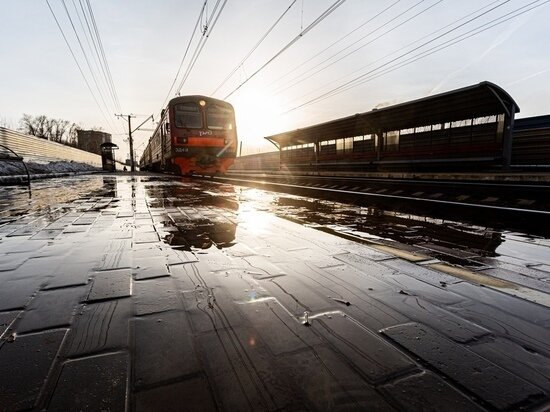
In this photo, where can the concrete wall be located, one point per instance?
(35, 149)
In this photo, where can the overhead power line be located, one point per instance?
(336, 42)
(209, 27)
(371, 75)
(255, 47)
(407, 20)
(324, 15)
(78, 64)
(85, 55)
(186, 51)
(96, 63)
(102, 49)
(502, 3)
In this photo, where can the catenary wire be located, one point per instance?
(334, 43)
(407, 45)
(91, 46)
(103, 56)
(409, 19)
(185, 54)
(210, 24)
(100, 92)
(464, 36)
(254, 48)
(325, 14)
(77, 63)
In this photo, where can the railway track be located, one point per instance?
(524, 206)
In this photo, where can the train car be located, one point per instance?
(196, 134)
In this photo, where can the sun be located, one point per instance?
(257, 115)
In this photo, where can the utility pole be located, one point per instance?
(130, 139)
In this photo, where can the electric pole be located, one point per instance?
(130, 139)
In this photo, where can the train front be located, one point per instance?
(203, 135)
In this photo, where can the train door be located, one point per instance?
(162, 154)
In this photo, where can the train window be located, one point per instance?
(219, 117)
(188, 115)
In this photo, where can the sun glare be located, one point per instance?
(257, 116)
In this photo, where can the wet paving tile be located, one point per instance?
(149, 268)
(377, 360)
(16, 294)
(12, 261)
(156, 296)
(273, 322)
(110, 285)
(194, 393)
(105, 388)
(31, 356)
(440, 397)
(480, 376)
(47, 234)
(6, 319)
(146, 237)
(158, 359)
(99, 327)
(50, 309)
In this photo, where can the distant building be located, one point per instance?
(90, 140)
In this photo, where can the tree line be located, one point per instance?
(56, 130)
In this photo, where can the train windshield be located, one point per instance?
(188, 115)
(219, 117)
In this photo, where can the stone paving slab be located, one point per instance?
(26, 362)
(110, 284)
(105, 387)
(441, 397)
(164, 349)
(99, 327)
(491, 383)
(180, 295)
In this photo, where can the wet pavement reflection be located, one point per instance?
(148, 292)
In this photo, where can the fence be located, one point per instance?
(35, 149)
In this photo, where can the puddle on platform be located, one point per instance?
(449, 240)
(192, 214)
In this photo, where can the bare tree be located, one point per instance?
(56, 130)
(72, 135)
(6, 122)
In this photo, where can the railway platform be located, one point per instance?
(151, 293)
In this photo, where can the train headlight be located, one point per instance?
(225, 141)
(202, 103)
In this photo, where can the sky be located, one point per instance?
(323, 59)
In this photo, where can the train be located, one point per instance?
(196, 135)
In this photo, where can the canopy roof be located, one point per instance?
(108, 145)
(483, 99)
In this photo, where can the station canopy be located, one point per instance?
(480, 100)
(108, 146)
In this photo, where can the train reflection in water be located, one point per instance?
(196, 218)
